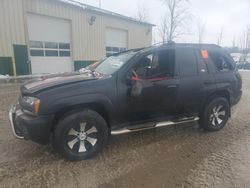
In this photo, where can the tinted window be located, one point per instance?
(167, 62)
(186, 59)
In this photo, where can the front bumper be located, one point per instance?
(25, 126)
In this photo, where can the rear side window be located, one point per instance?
(186, 59)
(220, 61)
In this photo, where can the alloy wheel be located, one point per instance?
(82, 139)
(218, 115)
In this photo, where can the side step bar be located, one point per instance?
(159, 124)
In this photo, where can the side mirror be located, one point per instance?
(129, 79)
(136, 89)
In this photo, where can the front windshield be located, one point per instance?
(113, 63)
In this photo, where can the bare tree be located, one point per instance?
(163, 29)
(142, 13)
(245, 39)
(201, 26)
(173, 22)
(233, 43)
(220, 37)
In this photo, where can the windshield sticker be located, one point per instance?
(204, 54)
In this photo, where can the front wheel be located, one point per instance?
(215, 115)
(81, 135)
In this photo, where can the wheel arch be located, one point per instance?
(94, 106)
(220, 93)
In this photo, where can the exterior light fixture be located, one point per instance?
(92, 20)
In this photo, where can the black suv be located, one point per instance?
(130, 91)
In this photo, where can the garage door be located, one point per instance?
(116, 41)
(49, 44)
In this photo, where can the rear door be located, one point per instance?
(196, 81)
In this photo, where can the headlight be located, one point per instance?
(33, 102)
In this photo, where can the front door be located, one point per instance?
(21, 59)
(152, 94)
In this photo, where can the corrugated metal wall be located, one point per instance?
(11, 26)
(88, 41)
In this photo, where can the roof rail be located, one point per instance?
(161, 43)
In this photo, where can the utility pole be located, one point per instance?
(100, 3)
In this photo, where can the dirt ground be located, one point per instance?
(175, 156)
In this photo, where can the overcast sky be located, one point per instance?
(233, 16)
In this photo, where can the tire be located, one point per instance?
(81, 135)
(215, 114)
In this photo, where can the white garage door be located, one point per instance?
(116, 40)
(49, 44)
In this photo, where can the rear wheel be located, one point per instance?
(215, 115)
(81, 135)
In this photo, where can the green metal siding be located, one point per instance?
(6, 66)
(82, 64)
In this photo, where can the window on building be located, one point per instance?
(49, 49)
(37, 52)
(51, 45)
(64, 46)
(220, 61)
(186, 59)
(64, 53)
(36, 44)
(156, 65)
(113, 50)
(51, 53)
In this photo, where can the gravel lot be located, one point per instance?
(175, 156)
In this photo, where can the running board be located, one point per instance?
(159, 124)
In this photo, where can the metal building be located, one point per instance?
(45, 36)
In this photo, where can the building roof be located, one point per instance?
(103, 11)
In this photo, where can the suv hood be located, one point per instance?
(56, 80)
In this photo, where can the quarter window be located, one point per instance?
(220, 62)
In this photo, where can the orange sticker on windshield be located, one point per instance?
(204, 54)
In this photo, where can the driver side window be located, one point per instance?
(156, 65)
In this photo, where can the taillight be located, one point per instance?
(239, 79)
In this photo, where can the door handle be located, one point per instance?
(172, 86)
(208, 82)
